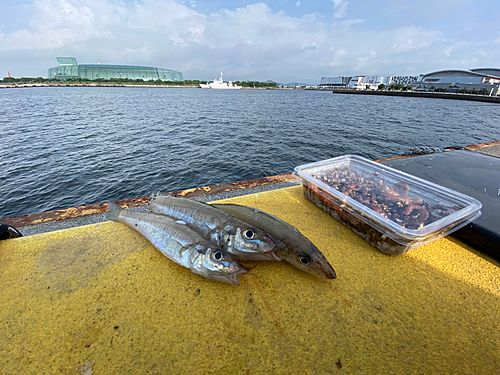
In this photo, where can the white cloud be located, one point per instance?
(169, 19)
(362, 62)
(297, 4)
(347, 23)
(257, 25)
(340, 8)
(340, 52)
(412, 37)
(482, 53)
(253, 40)
(62, 22)
(427, 9)
(56, 24)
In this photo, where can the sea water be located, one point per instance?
(62, 147)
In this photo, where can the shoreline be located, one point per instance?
(409, 94)
(30, 85)
(422, 94)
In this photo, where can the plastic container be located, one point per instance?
(392, 210)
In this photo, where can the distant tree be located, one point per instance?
(381, 86)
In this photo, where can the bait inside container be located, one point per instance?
(392, 210)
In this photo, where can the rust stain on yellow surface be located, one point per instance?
(101, 298)
(259, 289)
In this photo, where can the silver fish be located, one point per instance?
(244, 241)
(299, 251)
(181, 244)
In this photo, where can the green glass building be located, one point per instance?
(68, 68)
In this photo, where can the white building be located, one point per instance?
(485, 81)
(405, 80)
(334, 82)
(358, 83)
(368, 82)
(380, 80)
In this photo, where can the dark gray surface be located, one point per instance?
(472, 173)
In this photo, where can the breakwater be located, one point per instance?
(422, 94)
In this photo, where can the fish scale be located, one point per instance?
(181, 244)
(298, 251)
(244, 241)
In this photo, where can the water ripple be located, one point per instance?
(64, 147)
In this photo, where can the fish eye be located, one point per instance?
(305, 259)
(249, 234)
(218, 255)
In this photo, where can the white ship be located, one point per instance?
(220, 84)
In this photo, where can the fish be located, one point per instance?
(244, 241)
(299, 250)
(179, 243)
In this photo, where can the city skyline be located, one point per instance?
(279, 40)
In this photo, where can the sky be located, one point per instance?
(279, 40)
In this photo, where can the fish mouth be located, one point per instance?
(326, 271)
(329, 271)
(235, 277)
(276, 256)
(331, 274)
(279, 245)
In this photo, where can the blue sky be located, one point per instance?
(280, 40)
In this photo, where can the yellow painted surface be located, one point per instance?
(100, 299)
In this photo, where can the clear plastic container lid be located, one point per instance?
(404, 207)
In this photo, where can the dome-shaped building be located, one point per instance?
(487, 79)
(68, 68)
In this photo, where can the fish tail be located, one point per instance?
(113, 211)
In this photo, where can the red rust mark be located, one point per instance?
(44, 217)
(482, 145)
(221, 188)
(394, 158)
(98, 208)
(269, 309)
(194, 191)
